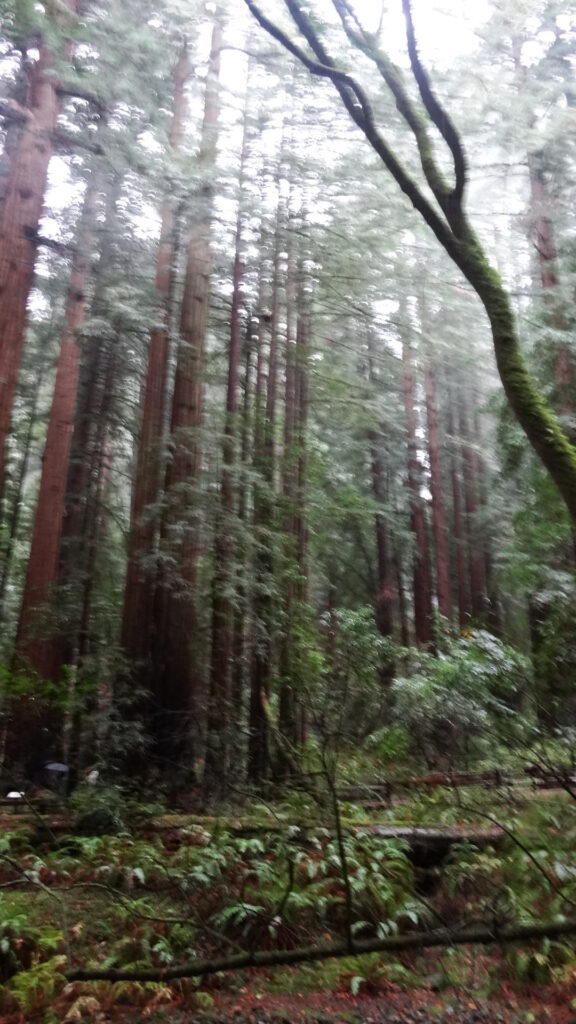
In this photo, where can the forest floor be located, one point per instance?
(170, 887)
(541, 1005)
(254, 1002)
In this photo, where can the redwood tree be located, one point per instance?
(422, 583)
(139, 593)
(20, 215)
(174, 676)
(441, 549)
(42, 569)
(223, 584)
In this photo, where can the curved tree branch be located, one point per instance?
(460, 242)
(435, 109)
(360, 112)
(392, 76)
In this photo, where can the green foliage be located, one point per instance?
(554, 655)
(540, 964)
(307, 662)
(38, 985)
(471, 692)
(354, 702)
(391, 745)
(371, 974)
(19, 19)
(25, 945)
(98, 810)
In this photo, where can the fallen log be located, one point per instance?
(480, 935)
(380, 792)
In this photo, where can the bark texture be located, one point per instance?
(23, 198)
(174, 678)
(422, 592)
(32, 648)
(441, 548)
(226, 544)
(140, 578)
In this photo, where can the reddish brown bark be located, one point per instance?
(85, 467)
(543, 230)
(544, 241)
(19, 219)
(463, 583)
(216, 765)
(240, 656)
(492, 601)
(264, 511)
(15, 505)
(383, 602)
(36, 729)
(139, 593)
(294, 584)
(174, 678)
(441, 549)
(42, 571)
(384, 591)
(18, 101)
(476, 557)
(423, 622)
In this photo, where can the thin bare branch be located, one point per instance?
(361, 113)
(393, 78)
(435, 109)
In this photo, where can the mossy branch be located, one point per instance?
(358, 106)
(436, 111)
(457, 238)
(393, 78)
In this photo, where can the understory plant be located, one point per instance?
(473, 691)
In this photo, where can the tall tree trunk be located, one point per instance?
(476, 555)
(423, 623)
(264, 514)
(225, 541)
(174, 677)
(139, 592)
(383, 603)
(492, 597)
(543, 231)
(19, 95)
(402, 602)
(463, 582)
(291, 713)
(294, 484)
(84, 466)
(42, 570)
(383, 597)
(13, 518)
(241, 647)
(19, 219)
(441, 549)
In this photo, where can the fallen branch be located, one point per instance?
(480, 935)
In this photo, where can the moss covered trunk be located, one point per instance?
(530, 408)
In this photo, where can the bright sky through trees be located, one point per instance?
(446, 30)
